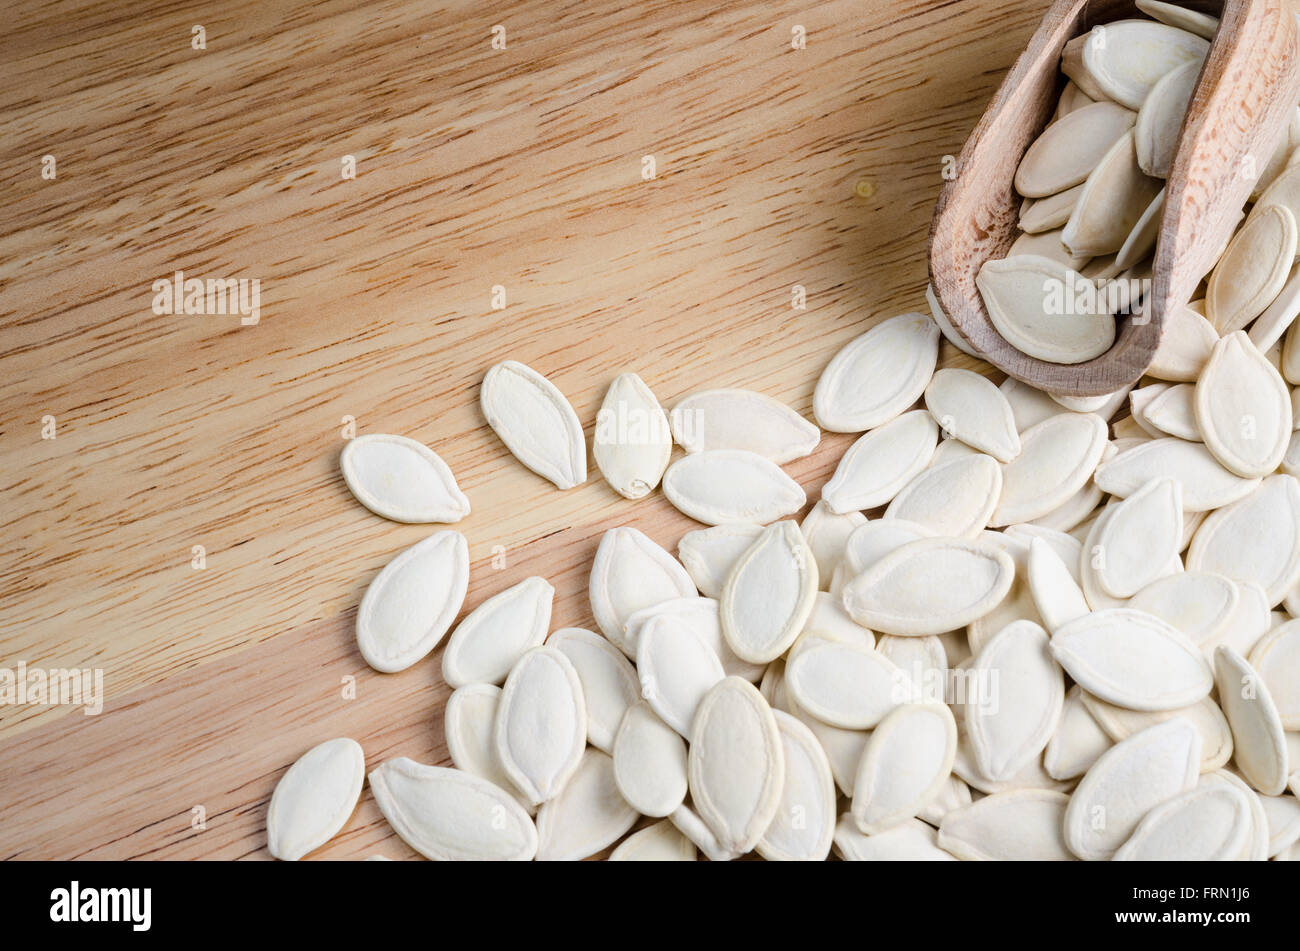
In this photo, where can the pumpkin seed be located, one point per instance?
(541, 726)
(492, 637)
(1020, 825)
(632, 443)
(660, 842)
(1206, 484)
(1276, 658)
(826, 534)
(708, 554)
(743, 419)
(1204, 715)
(314, 798)
(609, 682)
(1132, 659)
(970, 408)
(1243, 408)
(736, 764)
(1252, 270)
(676, 669)
(804, 823)
(1259, 739)
(955, 498)
(769, 594)
(1078, 739)
(1128, 781)
(536, 422)
(880, 463)
(1141, 535)
(1254, 539)
(630, 572)
(447, 815)
(649, 762)
(878, 375)
(1057, 458)
(906, 762)
(1068, 149)
(731, 485)
(845, 685)
(930, 586)
(1205, 824)
(402, 480)
(1044, 309)
(1126, 57)
(587, 815)
(1112, 202)
(1160, 118)
(411, 603)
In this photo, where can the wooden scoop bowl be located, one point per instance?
(1248, 88)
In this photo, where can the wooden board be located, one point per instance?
(475, 168)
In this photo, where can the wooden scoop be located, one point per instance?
(1247, 91)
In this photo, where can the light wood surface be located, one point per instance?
(475, 167)
(1244, 97)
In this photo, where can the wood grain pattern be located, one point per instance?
(519, 167)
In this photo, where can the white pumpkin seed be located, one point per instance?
(1206, 484)
(1141, 240)
(609, 682)
(1077, 742)
(536, 423)
(1160, 118)
(1197, 603)
(1252, 270)
(1243, 408)
(1186, 342)
(701, 615)
(1126, 57)
(1056, 594)
(1007, 735)
(1269, 327)
(1113, 200)
(660, 842)
(314, 798)
(1020, 825)
(709, 554)
(953, 794)
(587, 815)
(878, 375)
(970, 408)
(743, 419)
(632, 443)
(1205, 824)
(1068, 149)
(1204, 715)
(1140, 536)
(1276, 658)
(541, 727)
(447, 815)
(492, 637)
(1133, 659)
(1172, 412)
(769, 594)
(912, 841)
(736, 764)
(907, 760)
(1044, 309)
(955, 498)
(630, 572)
(1047, 214)
(676, 668)
(731, 485)
(1259, 740)
(1283, 813)
(1254, 539)
(844, 685)
(402, 480)
(930, 586)
(1128, 781)
(804, 822)
(880, 463)
(1057, 458)
(1256, 850)
(826, 534)
(649, 762)
(870, 542)
(469, 726)
(1190, 20)
(689, 824)
(411, 603)
(1047, 244)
